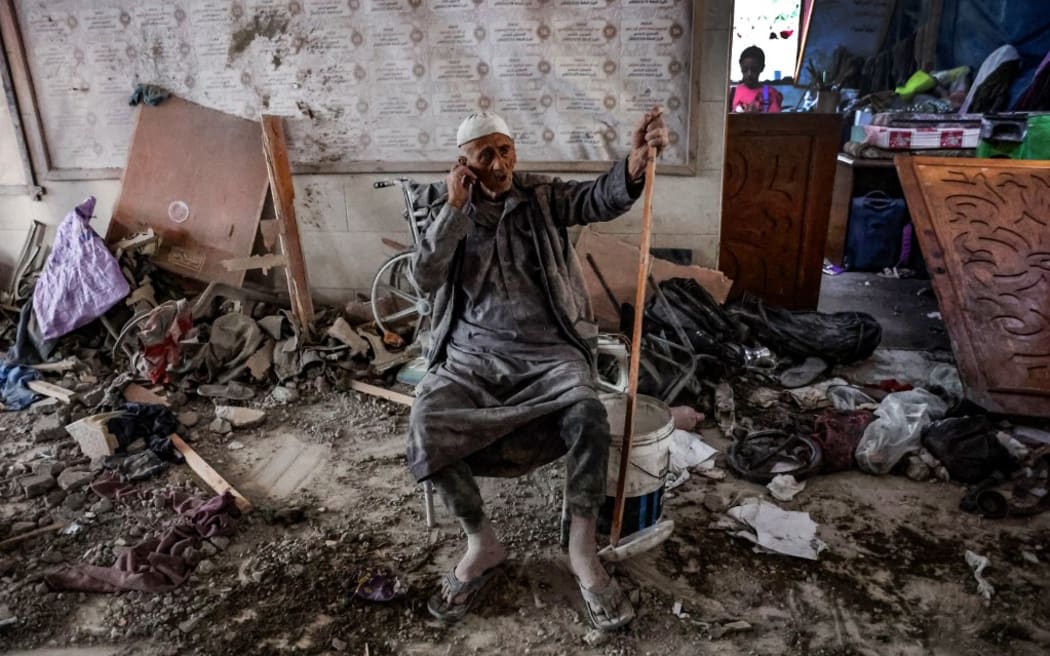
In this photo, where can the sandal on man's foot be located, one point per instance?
(608, 608)
(442, 604)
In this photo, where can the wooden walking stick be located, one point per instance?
(636, 347)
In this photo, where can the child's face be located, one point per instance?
(750, 69)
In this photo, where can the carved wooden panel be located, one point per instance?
(984, 226)
(776, 196)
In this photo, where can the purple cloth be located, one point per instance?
(157, 564)
(81, 279)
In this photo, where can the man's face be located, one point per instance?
(492, 159)
(750, 69)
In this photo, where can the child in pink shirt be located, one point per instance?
(751, 96)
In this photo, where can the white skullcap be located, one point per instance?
(480, 125)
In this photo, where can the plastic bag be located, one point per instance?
(944, 380)
(897, 429)
(81, 279)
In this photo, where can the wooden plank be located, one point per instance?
(25, 92)
(283, 191)
(208, 474)
(18, 539)
(645, 244)
(66, 364)
(382, 392)
(210, 161)
(264, 262)
(50, 389)
(838, 218)
(984, 229)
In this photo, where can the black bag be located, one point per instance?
(836, 338)
(968, 448)
(873, 236)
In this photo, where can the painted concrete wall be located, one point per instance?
(343, 220)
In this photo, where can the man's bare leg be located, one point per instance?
(583, 553)
(484, 551)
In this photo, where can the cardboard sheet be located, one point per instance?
(618, 262)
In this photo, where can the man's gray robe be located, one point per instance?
(494, 371)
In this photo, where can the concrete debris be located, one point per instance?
(715, 503)
(283, 395)
(92, 436)
(240, 417)
(339, 645)
(71, 480)
(343, 332)
(220, 426)
(49, 428)
(594, 637)
(36, 485)
(48, 468)
(189, 418)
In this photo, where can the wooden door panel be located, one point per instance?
(775, 201)
(985, 227)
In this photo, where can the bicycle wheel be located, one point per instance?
(398, 305)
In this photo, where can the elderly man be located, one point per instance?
(511, 358)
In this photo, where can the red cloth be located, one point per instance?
(838, 433)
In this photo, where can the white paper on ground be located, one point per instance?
(780, 531)
(784, 487)
(977, 563)
(688, 450)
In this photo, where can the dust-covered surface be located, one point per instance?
(893, 580)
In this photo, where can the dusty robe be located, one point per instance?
(513, 334)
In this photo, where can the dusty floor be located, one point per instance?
(893, 581)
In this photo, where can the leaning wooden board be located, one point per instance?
(210, 161)
(984, 228)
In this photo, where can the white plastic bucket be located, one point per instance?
(650, 461)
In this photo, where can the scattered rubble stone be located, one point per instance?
(240, 417)
(220, 425)
(52, 557)
(206, 567)
(189, 418)
(18, 528)
(36, 485)
(594, 637)
(221, 542)
(74, 479)
(283, 395)
(74, 501)
(103, 505)
(49, 468)
(338, 645)
(49, 428)
(55, 498)
(715, 502)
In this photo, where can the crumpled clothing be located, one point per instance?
(156, 564)
(112, 485)
(81, 279)
(153, 423)
(150, 94)
(233, 339)
(30, 346)
(838, 434)
(13, 391)
(159, 335)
